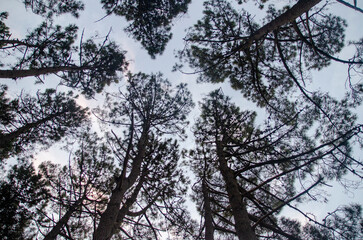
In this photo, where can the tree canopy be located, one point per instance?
(49, 49)
(43, 119)
(266, 63)
(150, 21)
(149, 109)
(265, 139)
(247, 174)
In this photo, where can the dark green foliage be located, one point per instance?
(44, 119)
(267, 69)
(151, 20)
(151, 102)
(46, 45)
(344, 223)
(22, 194)
(48, 8)
(99, 67)
(4, 30)
(50, 49)
(6, 107)
(290, 226)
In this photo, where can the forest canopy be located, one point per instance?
(115, 125)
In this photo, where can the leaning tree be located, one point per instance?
(28, 121)
(270, 63)
(77, 191)
(51, 49)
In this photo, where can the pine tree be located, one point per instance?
(267, 63)
(28, 121)
(149, 108)
(50, 49)
(248, 174)
(22, 196)
(77, 191)
(150, 22)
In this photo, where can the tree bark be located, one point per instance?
(63, 221)
(14, 74)
(241, 220)
(295, 11)
(9, 137)
(209, 227)
(108, 219)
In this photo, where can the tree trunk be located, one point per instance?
(129, 202)
(14, 74)
(294, 12)
(108, 219)
(7, 138)
(109, 216)
(209, 227)
(239, 212)
(63, 221)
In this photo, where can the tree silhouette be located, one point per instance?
(22, 194)
(247, 174)
(77, 191)
(150, 21)
(44, 119)
(50, 50)
(269, 63)
(150, 108)
(48, 8)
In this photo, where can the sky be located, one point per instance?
(331, 79)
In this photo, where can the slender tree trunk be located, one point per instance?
(209, 227)
(239, 211)
(63, 221)
(5, 139)
(14, 74)
(108, 219)
(294, 12)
